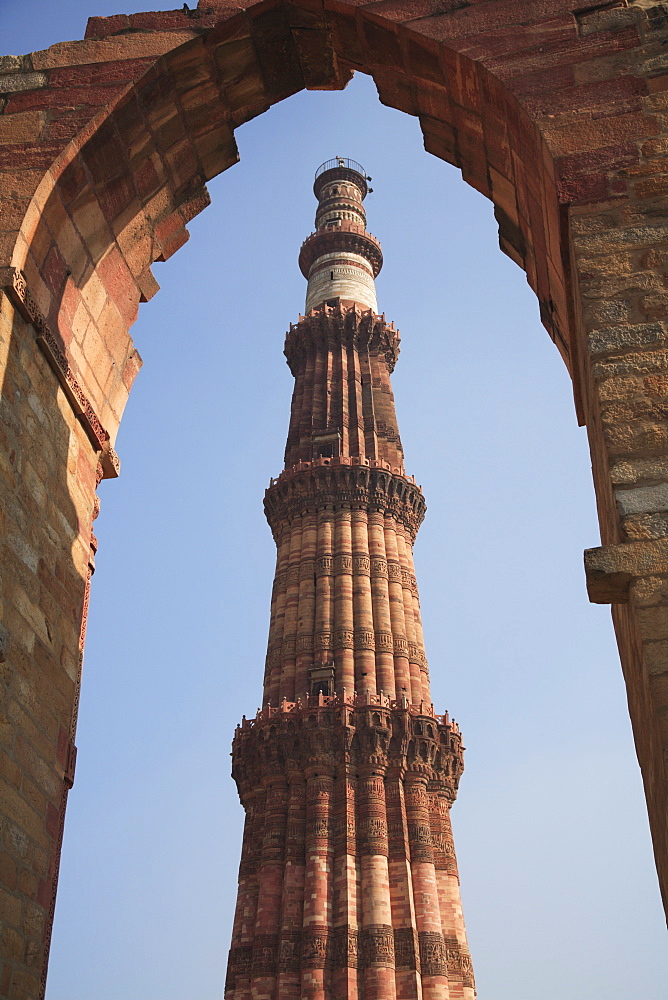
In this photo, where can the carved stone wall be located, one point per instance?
(558, 116)
(377, 778)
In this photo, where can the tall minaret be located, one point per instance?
(348, 885)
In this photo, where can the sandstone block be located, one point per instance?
(610, 569)
(638, 526)
(631, 471)
(618, 338)
(14, 82)
(10, 64)
(645, 500)
(654, 623)
(132, 46)
(607, 313)
(608, 19)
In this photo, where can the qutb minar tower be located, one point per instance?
(348, 885)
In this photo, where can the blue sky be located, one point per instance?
(558, 882)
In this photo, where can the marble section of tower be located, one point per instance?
(348, 884)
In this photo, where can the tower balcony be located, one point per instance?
(341, 169)
(344, 237)
(351, 699)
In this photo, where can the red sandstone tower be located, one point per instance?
(348, 886)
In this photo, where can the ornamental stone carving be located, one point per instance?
(314, 485)
(335, 731)
(329, 327)
(377, 945)
(433, 961)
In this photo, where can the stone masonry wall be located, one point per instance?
(556, 112)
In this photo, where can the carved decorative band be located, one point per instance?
(238, 964)
(322, 640)
(379, 568)
(419, 835)
(305, 644)
(289, 952)
(264, 961)
(344, 639)
(394, 572)
(344, 485)
(362, 565)
(405, 948)
(274, 656)
(288, 648)
(416, 654)
(347, 947)
(467, 970)
(444, 853)
(24, 301)
(432, 954)
(343, 565)
(458, 962)
(317, 830)
(365, 639)
(324, 565)
(315, 948)
(344, 947)
(384, 642)
(373, 834)
(377, 945)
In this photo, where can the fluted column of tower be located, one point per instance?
(348, 884)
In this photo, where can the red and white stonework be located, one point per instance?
(348, 884)
(558, 113)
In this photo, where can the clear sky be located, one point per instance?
(558, 881)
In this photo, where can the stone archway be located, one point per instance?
(107, 144)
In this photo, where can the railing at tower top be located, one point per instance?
(353, 700)
(340, 163)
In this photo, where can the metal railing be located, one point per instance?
(340, 162)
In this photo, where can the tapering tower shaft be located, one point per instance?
(348, 886)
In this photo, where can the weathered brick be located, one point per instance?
(591, 135)
(21, 128)
(132, 46)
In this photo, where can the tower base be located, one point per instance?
(348, 884)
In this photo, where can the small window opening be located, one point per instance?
(321, 677)
(326, 444)
(331, 276)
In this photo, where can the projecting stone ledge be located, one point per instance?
(610, 569)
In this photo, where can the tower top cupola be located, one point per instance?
(340, 259)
